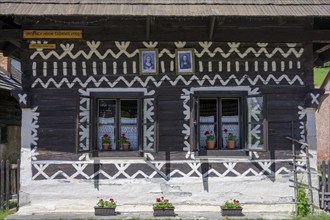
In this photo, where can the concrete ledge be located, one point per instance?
(145, 212)
(144, 215)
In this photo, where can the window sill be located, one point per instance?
(116, 154)
(222, 153)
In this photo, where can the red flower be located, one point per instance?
(101, 200)
(206, 133)
(105, 135)
(158, 200)
(225, 130)
(111, 199)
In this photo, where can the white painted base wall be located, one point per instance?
(255, 194)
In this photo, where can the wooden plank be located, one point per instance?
(7, 183)
(212, 25)
(2, 184)
(10, 34)
(51, 34)
(18, 180)
(148, 24)
(323, 168)
(327, 174)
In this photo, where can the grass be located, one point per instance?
(4, 213)
(316, 216)
(319, 75)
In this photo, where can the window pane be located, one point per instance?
(211, 128)
(207, 119)
(208, 110)
(128, 121)
(230, 120)
(106, 122)
(128, 111)
(230, 107)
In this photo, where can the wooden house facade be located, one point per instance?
(168, 77)
(10, 111)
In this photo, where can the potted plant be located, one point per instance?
(210, 140)
(233, 208)
(124, 143)
(105, 142)
(105, 208)
(163, 207)
(231, 141)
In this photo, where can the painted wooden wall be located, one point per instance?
(109, 58)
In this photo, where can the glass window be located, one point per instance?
(219, 121)
(3, 135)
(117, 124)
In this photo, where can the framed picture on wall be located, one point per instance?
(185, 61)
(148, 61)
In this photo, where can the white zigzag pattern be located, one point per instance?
(151, 79)
(234, 49)
(122, 46)
(35, 126)
(122, 167)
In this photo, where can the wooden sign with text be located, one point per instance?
(52, 34)
(42, 46)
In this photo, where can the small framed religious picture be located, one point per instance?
(185, 61)
(148, 61)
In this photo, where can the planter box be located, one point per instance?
(99, 211)
(164, 212)
(231, 212)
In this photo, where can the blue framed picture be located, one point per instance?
(148, 61)
(185, 62)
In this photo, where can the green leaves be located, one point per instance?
(107, 204)
(162, 203)
(232, 205)
(303, 202)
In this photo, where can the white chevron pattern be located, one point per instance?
(265, 169)
(179, 79)
(122, 46)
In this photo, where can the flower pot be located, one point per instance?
(231, 212)
(231, 144)
(126, 146)
(101, 211)
(210, 145)
(164, 212)
(105, 146)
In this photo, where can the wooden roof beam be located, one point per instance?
(10, 34)
(9, 49)
(211, 28)
(322, 49)
(148, 25)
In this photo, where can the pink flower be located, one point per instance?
(101, 200)
(206, 133)
(158, 200)
(111, 199)
(225, 130)
(105, 136)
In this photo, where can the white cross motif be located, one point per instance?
(314, 98)
(22, 98)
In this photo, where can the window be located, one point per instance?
(224, 115)
(220, 117)
(3, 135)
(117, 118)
